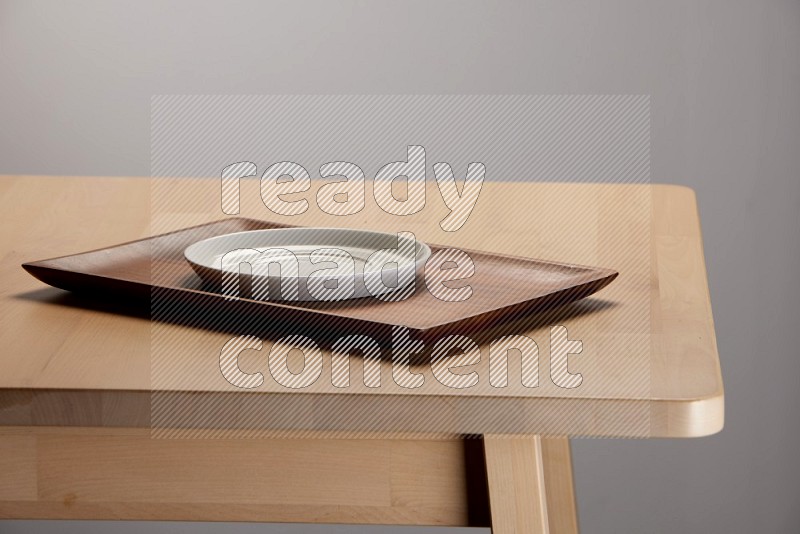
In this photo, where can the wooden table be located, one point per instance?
(76, 384)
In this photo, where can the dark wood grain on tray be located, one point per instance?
(504, 287)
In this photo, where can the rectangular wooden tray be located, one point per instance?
(504, 287)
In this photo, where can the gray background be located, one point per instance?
(75, 86)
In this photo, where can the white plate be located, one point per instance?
(382, 263)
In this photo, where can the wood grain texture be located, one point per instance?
(517, 489)
(503, 286)
(530, 485)
(562, 508)
(72, 361)
(80, 473)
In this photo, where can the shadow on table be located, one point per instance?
(245, 321)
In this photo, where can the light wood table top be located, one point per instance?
(649, 363)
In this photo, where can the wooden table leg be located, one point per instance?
(530, 485)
